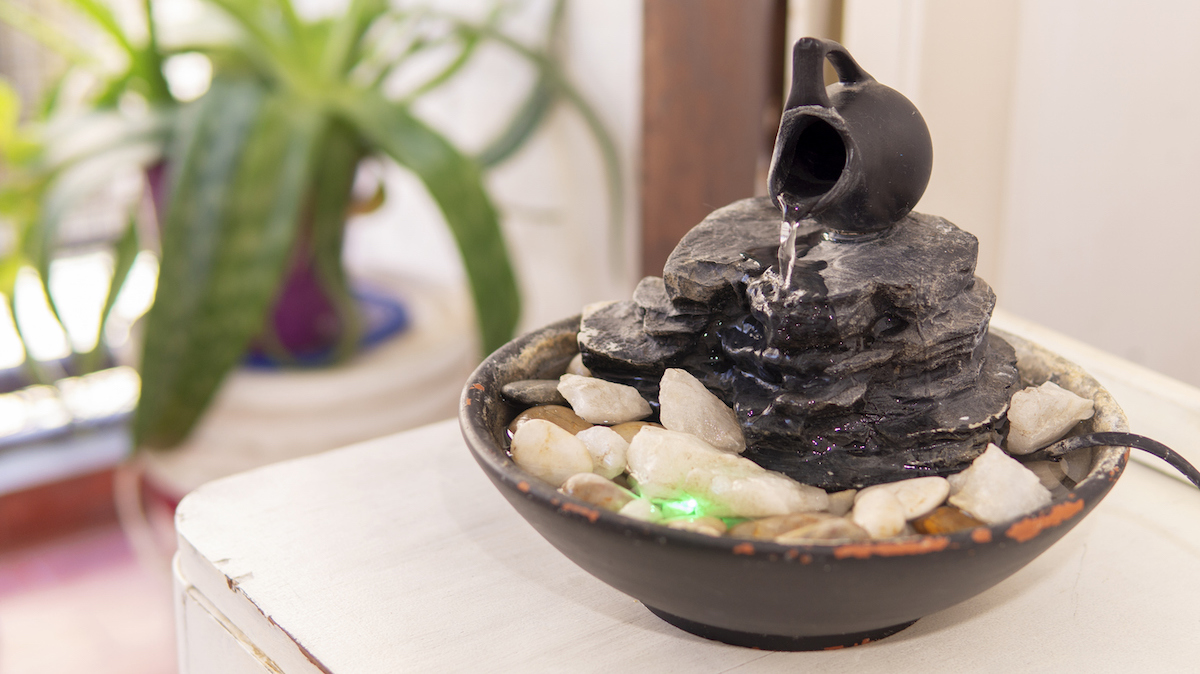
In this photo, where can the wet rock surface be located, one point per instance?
(871, 363)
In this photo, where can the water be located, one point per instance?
(793, 215)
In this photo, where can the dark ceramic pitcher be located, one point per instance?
(856, 155)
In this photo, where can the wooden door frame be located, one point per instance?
(712, 91)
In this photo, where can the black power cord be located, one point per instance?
(1112, 439)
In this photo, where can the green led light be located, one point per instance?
(684, 507)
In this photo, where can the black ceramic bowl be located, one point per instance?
(763, 594)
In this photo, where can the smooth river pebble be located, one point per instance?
(829, 529)
(603, 402)
(768, 528)
(608, 450)
(685, 405)
(598, 491)
(563, 417)
(919, 495)
(1038, 416)
(709, 526)
(997, 487)
(667, 464)
(549, 452)
(945, 520)
(630, 428)
(879, 512)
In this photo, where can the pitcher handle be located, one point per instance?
(808, 63)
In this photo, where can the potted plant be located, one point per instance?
(251, 182)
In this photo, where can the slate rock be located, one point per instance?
(739, 239)
(533, 392)
(612, 338)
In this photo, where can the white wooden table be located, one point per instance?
(398, 555)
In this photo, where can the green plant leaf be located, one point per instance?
(527, 120)
(346, 37)
(10, 116)
(470, 42)
(331, 192)
(103, 18)
(549, 71)
(455, 183)
(240, 174)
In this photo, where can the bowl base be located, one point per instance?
(779, 642)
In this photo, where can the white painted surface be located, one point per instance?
(1064, 138)
(399, 555)
(1100, 238)
(207, 643)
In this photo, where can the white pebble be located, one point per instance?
(598, 491)
(685, 405)
(956, 482)
(641, 509)
(1038, 416)
(997, 488)
(576, 366)
(879, 512)
(603, 402)
(667, 465)
(1078, 464)
(919, 495)
(608, 450)
(841, 502)
(1050, 473)
(1074, 467)
(709, 526)
(549, 452)
(832, 529)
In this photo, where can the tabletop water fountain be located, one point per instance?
(849, 334)
(847, 339)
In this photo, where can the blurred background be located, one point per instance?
(1063, 139)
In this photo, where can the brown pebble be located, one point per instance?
(597, 491)
(630, 428)
(945, 520)
(768, 528)
(831, 529)
(563, 417)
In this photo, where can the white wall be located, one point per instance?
(1064, 137)
(552, 195)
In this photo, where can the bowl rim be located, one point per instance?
(1108, 465)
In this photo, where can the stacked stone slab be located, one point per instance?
(874, 365)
